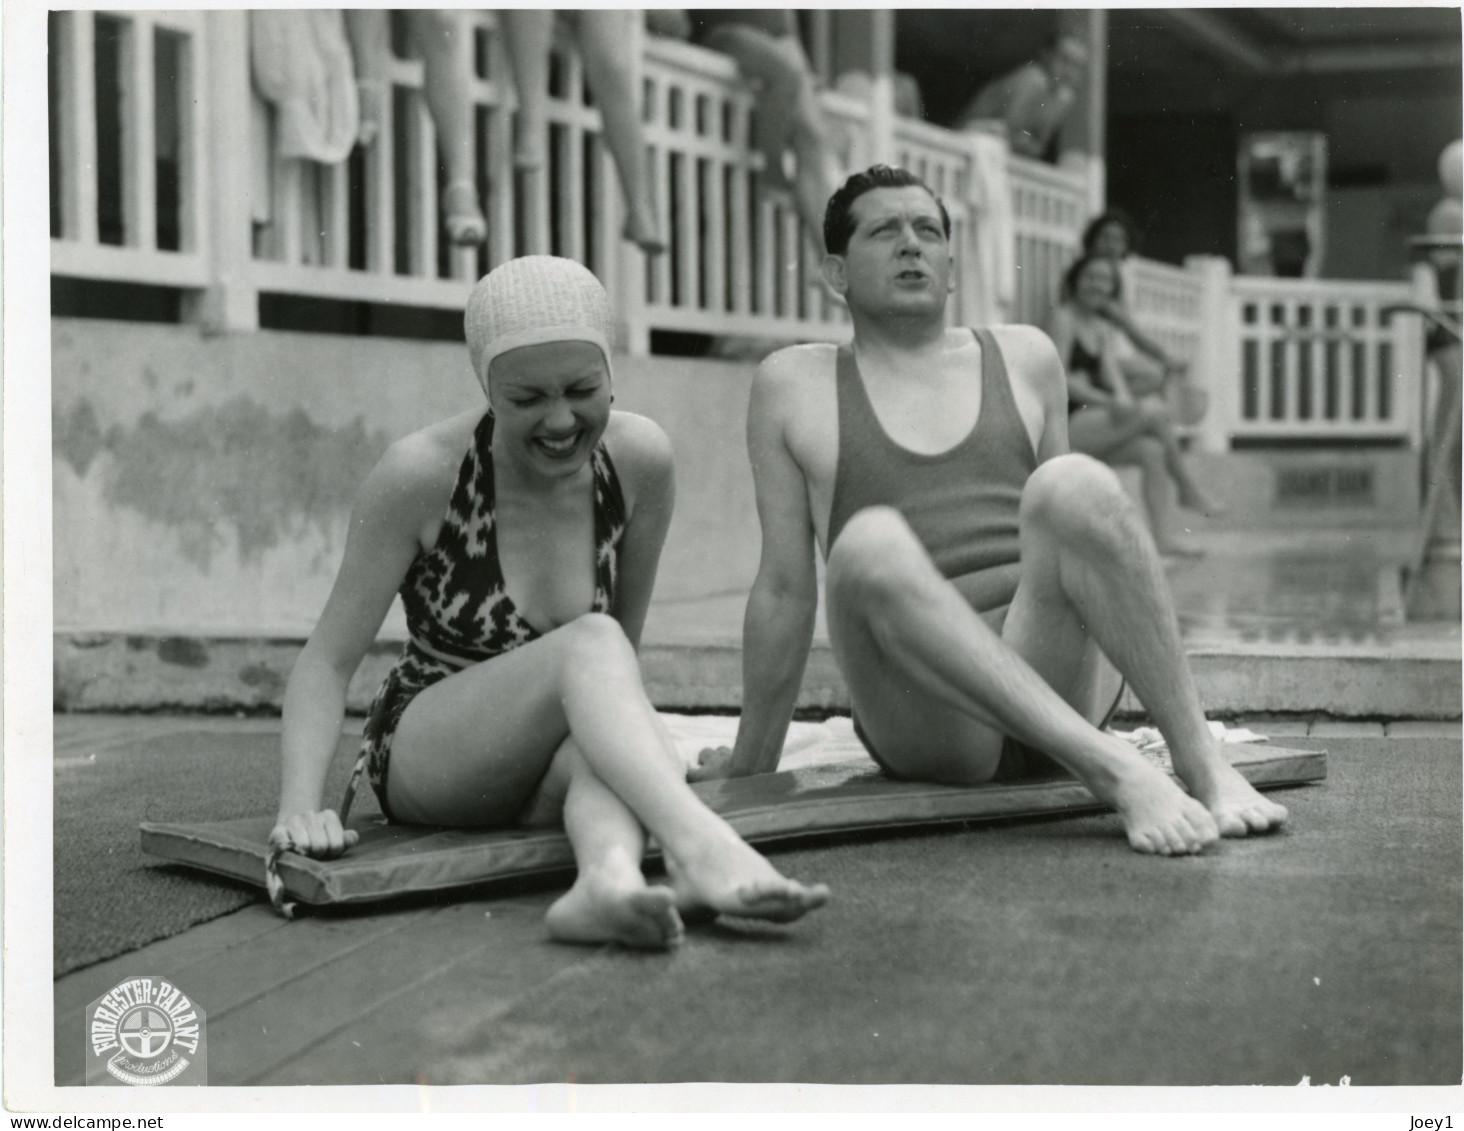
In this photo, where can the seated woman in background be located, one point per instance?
(1147, 365)
(1105, 419)
(523, 538)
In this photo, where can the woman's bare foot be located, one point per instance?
(643, 229)
(462, 217)
(729, 877)
(1238, 807)
(1195, 498)
(603, 908)
(1158, 816)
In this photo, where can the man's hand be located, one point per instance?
(317, 834)
(712, 764)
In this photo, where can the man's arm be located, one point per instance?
(777, 628)
(1036, 111)
(1037, 372)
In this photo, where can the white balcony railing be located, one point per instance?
(158, 141)
(1321, 359)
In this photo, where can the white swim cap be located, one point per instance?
(535, 299)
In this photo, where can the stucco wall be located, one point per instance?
(203, 484)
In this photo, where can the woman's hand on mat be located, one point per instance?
(712, 764)
(317, 834)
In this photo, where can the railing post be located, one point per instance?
(231, 301)
(1413, 361)
(1216, 365)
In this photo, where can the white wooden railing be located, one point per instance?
(1280, 358)
(1286, 359)
(1320, 358)
(1049, 209)
(736, 263)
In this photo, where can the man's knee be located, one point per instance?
(1074, 492)
(874, 557)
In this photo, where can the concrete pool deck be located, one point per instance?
(1021, 953)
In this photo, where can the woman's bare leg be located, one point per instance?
(474, 750)
(610, 900)
(529, 35)
(1147, 453)
(369, 30)
(1192, 494)
(444, 39)
(607, 41)
(787, 115)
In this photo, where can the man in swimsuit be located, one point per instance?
(980, 578)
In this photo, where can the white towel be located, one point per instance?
(993, 229)
(302, 64)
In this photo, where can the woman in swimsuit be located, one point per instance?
(1147, 365)
(524, 541)
(1105, 419)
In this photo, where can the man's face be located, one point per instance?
(899, 259)
(1070, 61)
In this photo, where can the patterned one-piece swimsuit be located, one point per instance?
(458, 613)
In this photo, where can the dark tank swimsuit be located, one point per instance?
(458, 612)
(961, 503)
(1083, 360)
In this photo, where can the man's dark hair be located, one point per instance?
(838, 222)
(1070, 276)
(1111, 216)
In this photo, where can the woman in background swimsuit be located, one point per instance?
(1105, 419)
(524, 541)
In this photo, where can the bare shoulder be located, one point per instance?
(790, 378)
(642, 452)
(1031, 358)
(419, 470)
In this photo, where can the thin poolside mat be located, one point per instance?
(813, 799)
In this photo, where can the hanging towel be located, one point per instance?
(302, 64)
(993, 229)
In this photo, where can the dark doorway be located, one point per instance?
(1175, 174)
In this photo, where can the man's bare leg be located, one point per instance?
(1083, 532)
(963, 686)
(936, 688)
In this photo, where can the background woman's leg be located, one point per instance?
(607, 42)
(444, 39)
(529, 34)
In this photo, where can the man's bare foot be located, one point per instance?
(1158, 816)
(600, 909)
(1238, 807)
(730, 878)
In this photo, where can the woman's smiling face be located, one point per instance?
(552, 404)
(1096, 284)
